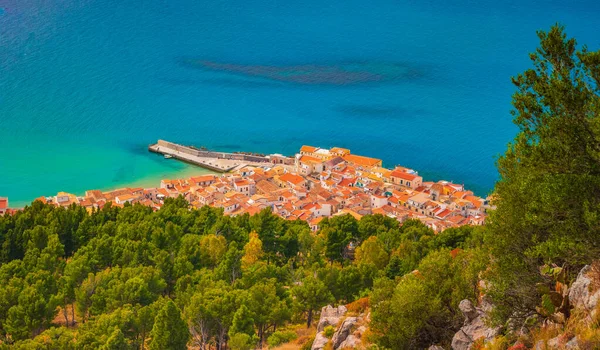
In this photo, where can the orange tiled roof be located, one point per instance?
(204, 178)
(361, 160)
(402, 175)
(292, 178)
(308, 149)
(347, 182)
(340, 150)
(310, 159)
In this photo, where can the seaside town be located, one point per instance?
(314, 184)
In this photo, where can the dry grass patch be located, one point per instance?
(358, 307)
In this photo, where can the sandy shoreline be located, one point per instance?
(144, 182)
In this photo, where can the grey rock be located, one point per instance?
(468, 310)
(474, 327)
(343, 332)
(579, 293)
(553, 343)
(352, 342)
(461, 341)
(319, 342)
(572, 344)
(330, 316)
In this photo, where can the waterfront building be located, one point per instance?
(314, 184)
(3, 205)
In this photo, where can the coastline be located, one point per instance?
(150, 180)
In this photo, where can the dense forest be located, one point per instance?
(132, 278)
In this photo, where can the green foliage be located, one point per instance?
(310, 295)
(242, 322)
(401, 319)
(338, 232)
(170, 331)
(59, 338)
(116, 341)
(328, 331)
(308, 344)
(372, 251)
(241, 341)
(548, 196)
(118, 270)
(280, 337)
(422, 309)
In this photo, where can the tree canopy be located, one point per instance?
(548, 195)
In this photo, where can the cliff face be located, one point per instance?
(577, 332)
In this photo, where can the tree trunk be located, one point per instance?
(73, 314)
(143, 336)
(200, 333)
(309, 318)
(221, 342)
(261, 332)
(66, 315)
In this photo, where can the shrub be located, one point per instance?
(281, 337)
(498, 343)
(358, 306)
(305, 339)
(307, 345)
(241, 341)
(478, 344)
(328, 331)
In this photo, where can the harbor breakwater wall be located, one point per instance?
(212, 154)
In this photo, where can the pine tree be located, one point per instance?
(394, 268)
(548, 196)
(170, 331)
(242, 322)
(116, 341)
(310, 296)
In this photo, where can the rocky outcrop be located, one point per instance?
(581, 295)
(557, 343)
(331, 316)
(353, 340)
(435, 347)
(474, 327)
(319, 342)
(342, 333)
(348, 333)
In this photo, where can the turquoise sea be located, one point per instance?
(86, 85)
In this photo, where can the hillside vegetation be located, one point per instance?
(138, 277)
